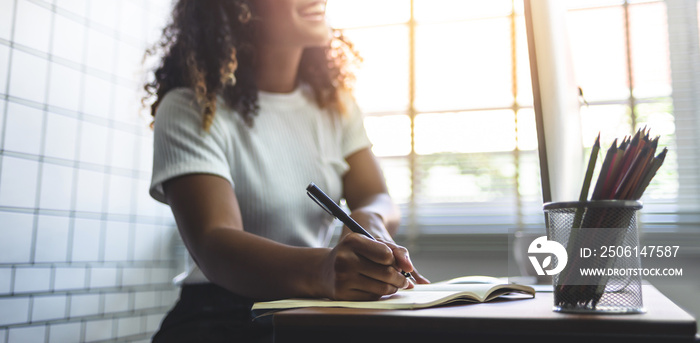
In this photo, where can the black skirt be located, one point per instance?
(209, 313)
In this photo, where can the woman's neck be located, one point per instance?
(277, 68)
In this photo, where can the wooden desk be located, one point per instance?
(517, 321)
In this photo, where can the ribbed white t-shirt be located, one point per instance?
(292, 143)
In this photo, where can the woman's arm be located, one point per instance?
(371, 206)
(209, 220)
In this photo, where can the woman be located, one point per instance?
(251, 105)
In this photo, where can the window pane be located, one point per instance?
(472, 69)
(649, 45)
(592, 3)
(529, 185)
(523, 63)
(353, 13)
(598, 49)
(478, 131)
(382, 81)
(446, 10)
(612, 121)
(527, 130)
(467, 178)
(390, 135)
(398, 178)
(659, 117)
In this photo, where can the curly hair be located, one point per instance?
(209, 46)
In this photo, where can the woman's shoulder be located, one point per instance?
(181, 96)
(179, 107)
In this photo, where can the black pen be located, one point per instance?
(326, 203)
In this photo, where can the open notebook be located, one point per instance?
(473, 289)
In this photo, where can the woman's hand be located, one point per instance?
(403, 262)
(374, 223)
(359, 268)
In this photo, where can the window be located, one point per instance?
(446, 88)
(449, 111)
(623, 63)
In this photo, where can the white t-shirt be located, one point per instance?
(292, 143)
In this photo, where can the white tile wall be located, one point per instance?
(74, 6)
(2, 118)
(69, 278)
(127, 105)
(64, 332)
(23, 129)
(48, 307)
(129, 326)
(116, 302)
(146, 156)
(103, 277)
(161, 275)
(73, 170)
(32, 26)
(97, 100)
(28, 334)
(145, 204)
(16, 233)
(86, 240)
(168, 239)
(84, 305)
(144, 300)
(98, 330)
(156, 19)
(60, 136)
(153, 322)
(68, 38)
(6, 17)
(56, 187)
(93, 143)
(34, 279)
(4, 60)
(26, 67)
(104, 12)
(131, 20)
(129, 61)
(5, 280)
(14, 310)
(134, 276)
(64, 87)
(18, 182)
(116, 241)
(120, 191)
(123, 154)
(147, 242)
(90, 190)
(52, 239)
(100, 51)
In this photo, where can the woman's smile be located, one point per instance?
(314, 11)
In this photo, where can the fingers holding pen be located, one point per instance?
(373, 259)
(359, 265)
(404, 263)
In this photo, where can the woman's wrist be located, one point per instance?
(314, 273)
(373, 222)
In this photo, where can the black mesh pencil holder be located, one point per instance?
(602, 273)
